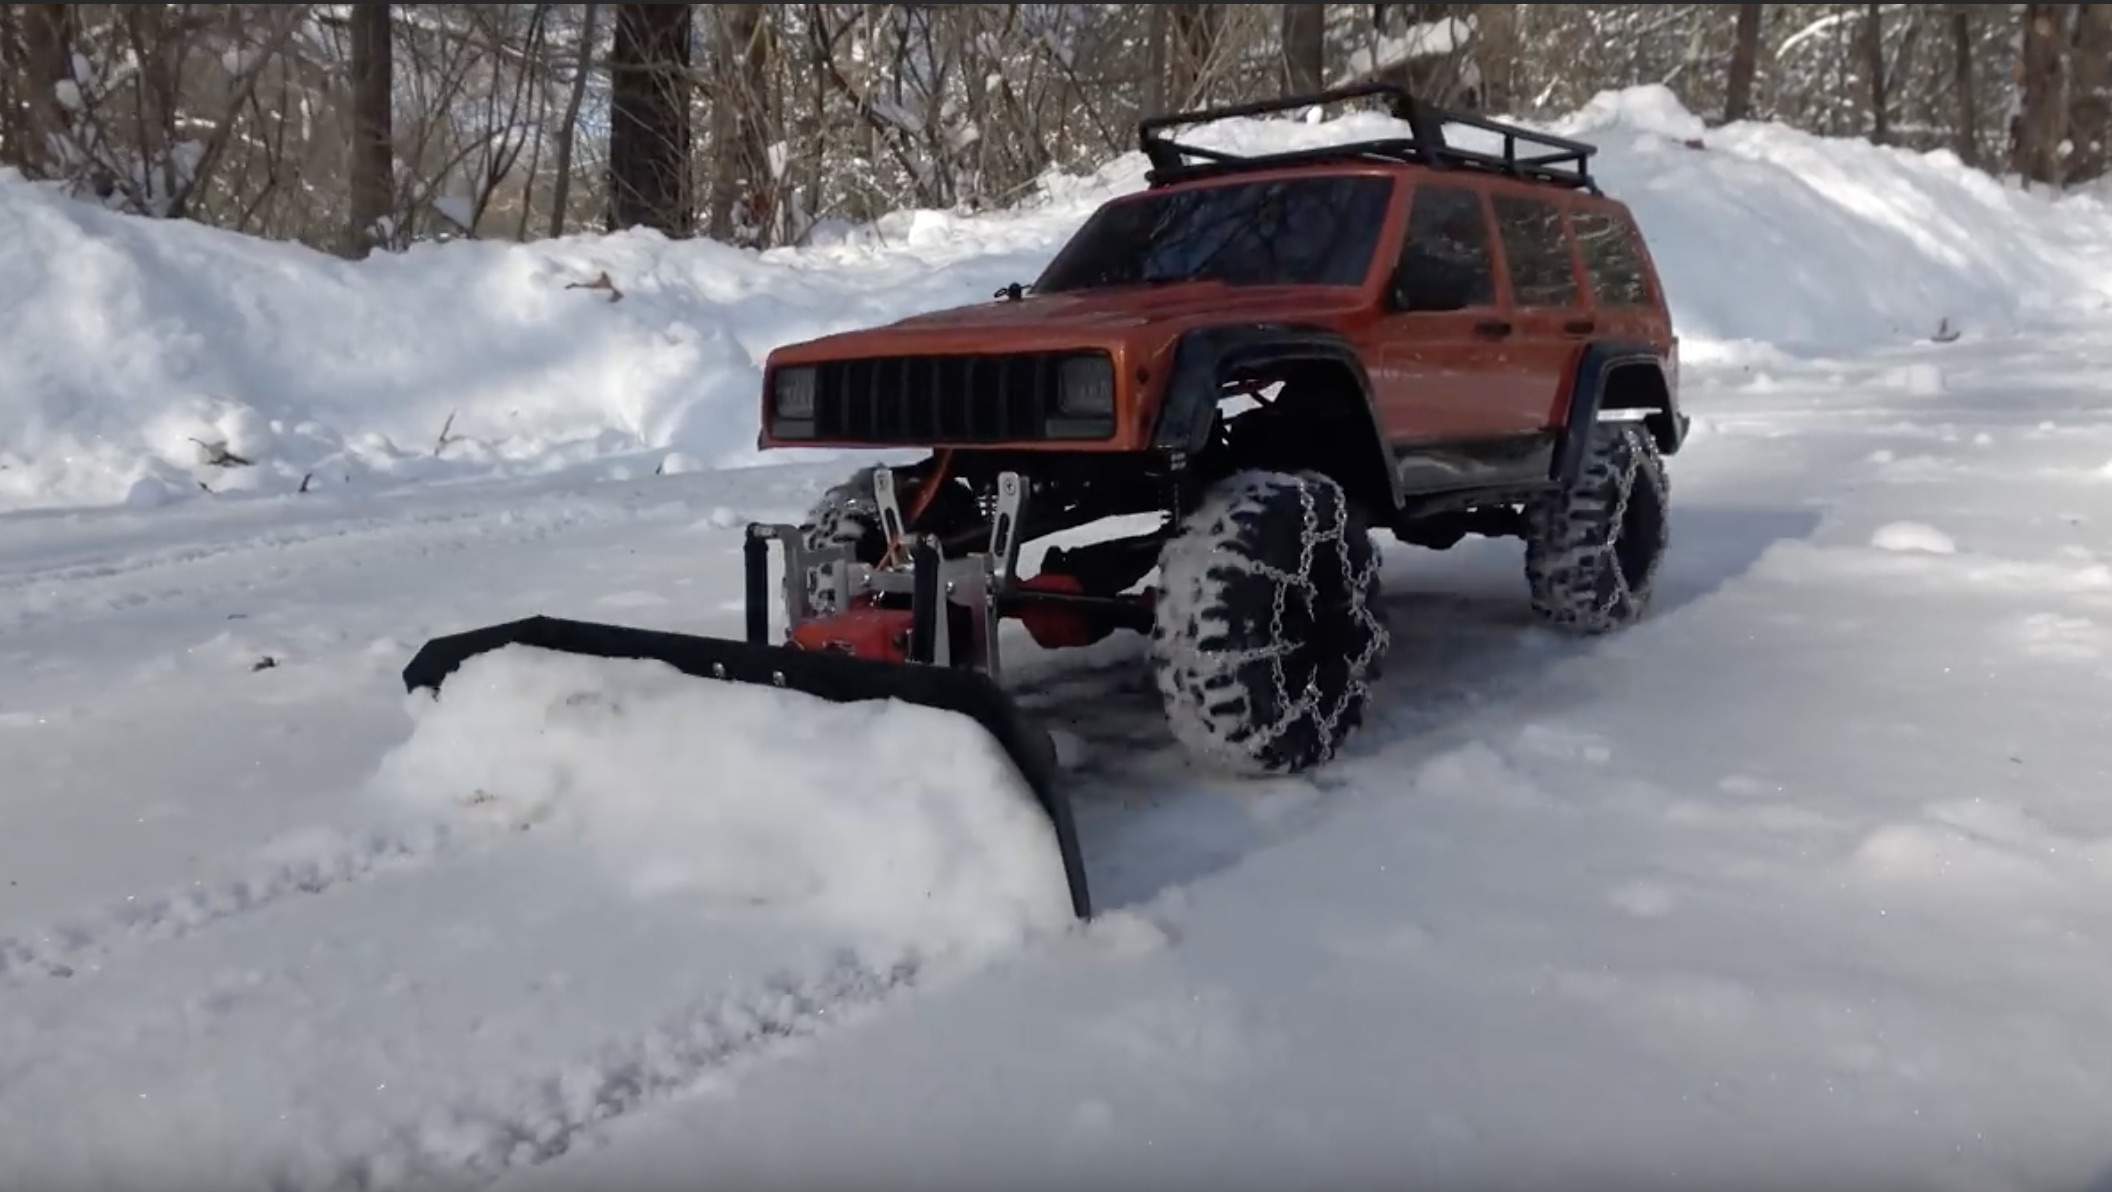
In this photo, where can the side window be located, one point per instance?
(1541, 273)
(1611, 258)
(1446, 263)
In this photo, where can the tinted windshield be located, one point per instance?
(1313, 231)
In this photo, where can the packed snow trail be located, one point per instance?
(579, 885)
(1812, 856)
(1806, 882)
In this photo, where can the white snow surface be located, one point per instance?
(131, 353)
(1806, 881)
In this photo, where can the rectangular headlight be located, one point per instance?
(794, 396)
(1085, 387)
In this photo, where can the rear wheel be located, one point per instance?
(1269, 628)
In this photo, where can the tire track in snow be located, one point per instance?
(66, 590)
(354, 538)
(71, 946)
(483, 1137)
(67, 946)
(349, 530)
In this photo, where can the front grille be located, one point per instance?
(936, 400)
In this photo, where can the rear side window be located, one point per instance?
(1611, 258)
(1446, 263)
(1538, 252)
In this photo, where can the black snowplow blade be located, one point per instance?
(836, 677)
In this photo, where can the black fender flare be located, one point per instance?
(1596, 367)
(1204, 355)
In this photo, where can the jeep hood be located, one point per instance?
(1142, 316)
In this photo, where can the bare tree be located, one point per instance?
(372, 169)
(1876, 73)
(1966, 132)
(1304, 47)
(531, 119)
(743, 194)
(568, 132)
(36, 44)
(1191, 31)
(649, 130)
(1745, 64)
(2090, 94)
(2041, 120)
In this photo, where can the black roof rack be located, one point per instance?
(1526, 154)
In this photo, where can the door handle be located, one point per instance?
(1580, 326)
(1493, 329)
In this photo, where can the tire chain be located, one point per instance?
(1308, 703)
(1617, 527)
(1641, 458)
(1625, 464)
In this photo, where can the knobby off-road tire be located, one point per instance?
(1269, 627)
(1592, 549)
(847, 515)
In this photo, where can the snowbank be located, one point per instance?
(905, 823)
(1773, 236)
(134, 355)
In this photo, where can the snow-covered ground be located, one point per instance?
(134, 354)
(1805, 882)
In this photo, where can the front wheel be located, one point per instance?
(1592, 548)
(848, 515)
(1268, 628)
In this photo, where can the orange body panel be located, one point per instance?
(1435, 376)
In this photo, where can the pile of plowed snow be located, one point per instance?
(134, 354)
(898, 822)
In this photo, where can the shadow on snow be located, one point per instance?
(1465, 643)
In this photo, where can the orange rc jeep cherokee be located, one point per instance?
(1275, 354)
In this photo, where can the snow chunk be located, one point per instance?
(148, 493)
(1651, 110)
(1913, 536)
(1128, 934)
(906, 823)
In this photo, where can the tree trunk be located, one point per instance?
(47, 61)
(1304, 47)
(744, 191)
(1966, 133)
(1874, 67)
(649, 134)
(1496, 53)
(1155, 36)
(2090, 94)
(14, 105)
(372, 169)
(561, 192)
(1745, 64)
(2042, 87)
